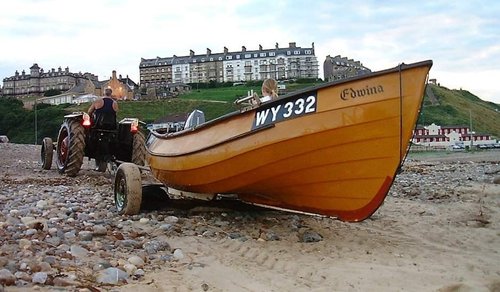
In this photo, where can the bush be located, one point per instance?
(52, 92)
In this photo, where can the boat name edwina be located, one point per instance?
(285, 109)
(350, 93)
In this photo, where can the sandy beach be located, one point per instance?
(438, 230)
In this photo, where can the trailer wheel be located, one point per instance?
(46, 153)
(138, 149)
(128, 189)
(70, 147)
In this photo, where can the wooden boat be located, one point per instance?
(332, 149)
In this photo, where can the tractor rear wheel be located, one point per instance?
(46, 153)
(138, 149)
(70, 147)
(128, 189)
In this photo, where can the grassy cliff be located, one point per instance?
(460, 107)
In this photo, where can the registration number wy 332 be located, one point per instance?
(286, 109)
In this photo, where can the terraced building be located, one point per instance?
(291, 62)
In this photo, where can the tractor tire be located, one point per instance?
(128, 189)
(47, 153)
(138, 149)
(70, 147)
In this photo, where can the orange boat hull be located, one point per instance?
(332, 150)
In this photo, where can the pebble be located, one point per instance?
(310, 236)
(78, 251)
(85, 235)
(130, 268)
(155, 246)
(99, 230)
(111, 276)
(7, 278)
(136, 261)
(178, 254)
(39, 277)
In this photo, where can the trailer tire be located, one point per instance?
(128, 189)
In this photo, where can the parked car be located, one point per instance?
(4, 139)
(485, 146)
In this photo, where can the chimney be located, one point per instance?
(114, 74)
(277, 47)
(120, 76)
(226, 50)
(292, 45)
(191, 53)
(260, 47)
(243, 49)
(209, 52)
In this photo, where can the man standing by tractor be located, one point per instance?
(103, 111)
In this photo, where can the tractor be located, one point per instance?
(79, 137)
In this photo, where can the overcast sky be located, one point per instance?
(99, 36)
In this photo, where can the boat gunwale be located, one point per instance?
(399, 68)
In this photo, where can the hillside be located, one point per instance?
(442, 106)
(448, 107)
